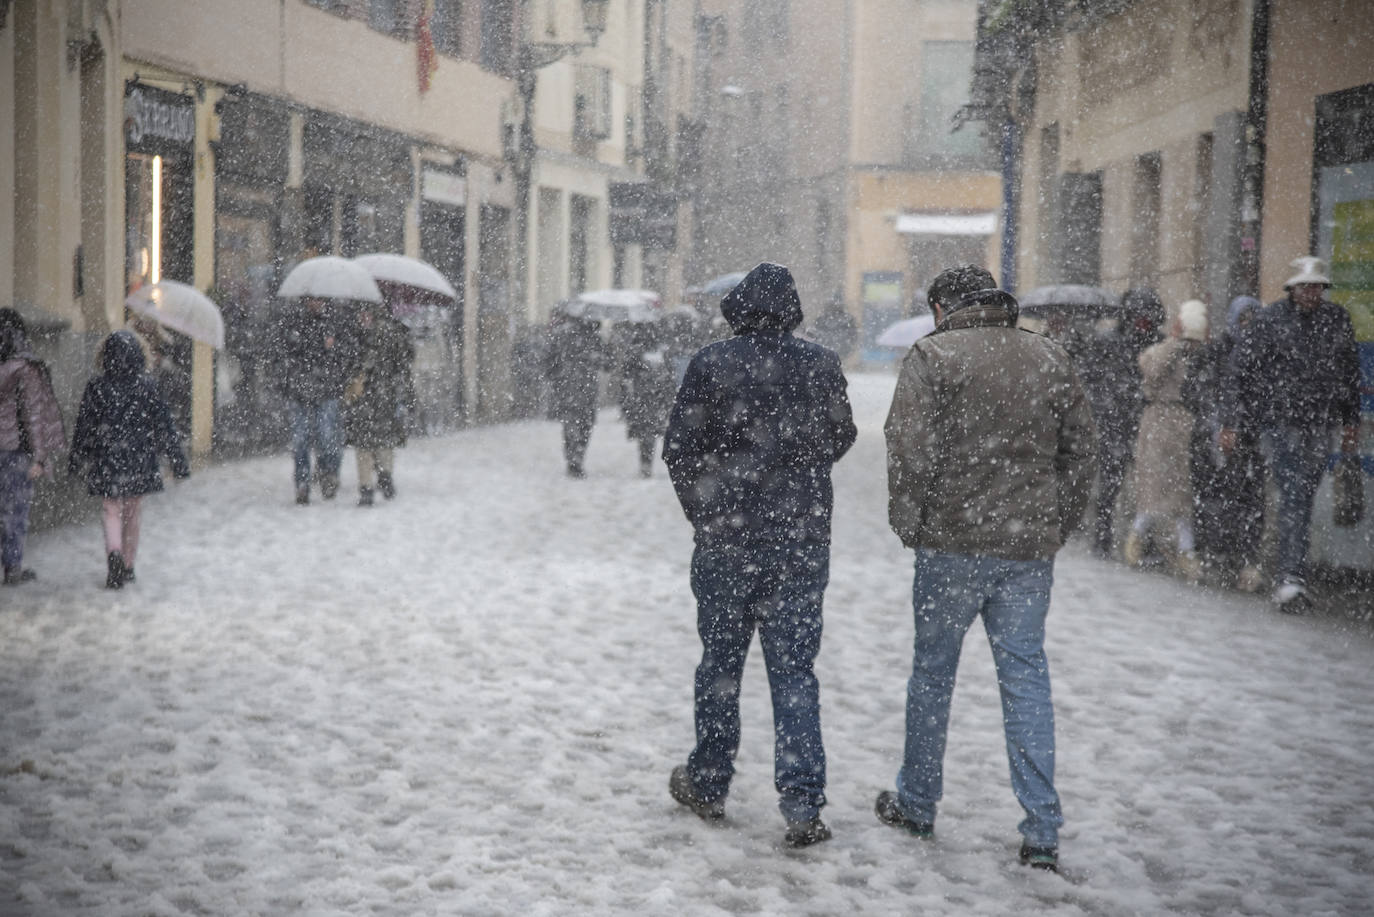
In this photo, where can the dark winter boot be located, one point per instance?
(364, 496)
(16, 576)
(303, 494)
(680, 786)
(890, 813)
(329, 486)
(385, 484)
(805, 833)
(114, 577)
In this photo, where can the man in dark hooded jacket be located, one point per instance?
(758, 422)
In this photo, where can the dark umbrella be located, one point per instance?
(1074, 299)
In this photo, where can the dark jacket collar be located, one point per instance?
(977, 317)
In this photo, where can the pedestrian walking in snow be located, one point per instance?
(647, 387)
(1163, 467)
(1229, 487)
(377, 399)
(836, 328)
(123, 429)
(1109, 369)
(30, 435)
(573, 359)
(317, 356)
(1294, 377)
(757, 424)
(990, 446)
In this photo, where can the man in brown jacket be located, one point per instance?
(990, 445)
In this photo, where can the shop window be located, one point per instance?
(946, 74)
(446, 27)
(498, 35)
(1079, 238)
(592, 103)
(579, 242)
(1146, 205)
(385, 16)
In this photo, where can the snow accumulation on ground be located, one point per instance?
(467, 702)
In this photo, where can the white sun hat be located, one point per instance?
(1310, 269)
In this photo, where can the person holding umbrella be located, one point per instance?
(376, 399)
(317, 355)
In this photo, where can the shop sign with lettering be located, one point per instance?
(155, 117)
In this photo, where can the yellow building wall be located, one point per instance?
(877, 198)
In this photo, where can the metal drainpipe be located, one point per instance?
(1257, 114)
(1011, 164)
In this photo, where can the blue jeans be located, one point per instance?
(16, 494)
(777, 590)
(1297, 458)
(1013, 598)
(316, 424)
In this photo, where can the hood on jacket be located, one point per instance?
(121, 357)
(765, 300)
(1240, 310)
(13, 340)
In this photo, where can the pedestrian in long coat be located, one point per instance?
(573, 360)
(31, 434)
(1108, 365)
(376, 400)
(758, 422)
(647, 388)
(123, 429)
(1228, 487)
(1163, 472)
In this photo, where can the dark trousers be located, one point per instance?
(777, 591)
(577, 434)
(1111, 473)
(16, 494)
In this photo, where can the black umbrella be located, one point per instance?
(1077, 300)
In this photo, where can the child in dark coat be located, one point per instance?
(122, 429)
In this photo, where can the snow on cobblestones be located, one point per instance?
(467, 701)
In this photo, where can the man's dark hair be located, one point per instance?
(952, 285)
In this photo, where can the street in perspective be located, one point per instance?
(468, 701)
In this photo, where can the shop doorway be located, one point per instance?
(440, 346)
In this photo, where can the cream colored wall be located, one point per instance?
(47, 166)
(876, 199)
(1105, 122)
(887, 65)
(1344, 34)
(290, 50)
(7, 103)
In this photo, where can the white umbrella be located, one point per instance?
(719, 286)
(614, 305)
(330, 277)
(906, 332)
(410, 274)
(182, 308)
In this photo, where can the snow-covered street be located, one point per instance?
(467, 701)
